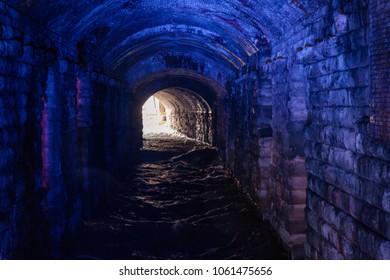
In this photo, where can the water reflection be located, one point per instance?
(180, 203)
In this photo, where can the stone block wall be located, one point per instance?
(107, 142)
(244, 131)
(196, 125)
(288, 172)
(22, 81)
(88, 135)
(380, 69)
(326, 165)
(261, 139)
(347, 196)
(62, 126)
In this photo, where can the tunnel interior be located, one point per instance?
(294, 95)
(155, 116)
(180, 110)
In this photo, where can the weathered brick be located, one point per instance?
(11, 48)
(14, 68)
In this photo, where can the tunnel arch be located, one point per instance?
(180, 32)
(233, 30)
(206, 87)
(176, 97)
(192, 96)
(186, 113)
(252, 62)
(195, 50)
(74, 18)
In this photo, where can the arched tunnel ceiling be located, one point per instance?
(208, 89)
(134, 48)
(123, 32)
(182, 99)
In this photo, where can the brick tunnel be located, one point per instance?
(294, 95)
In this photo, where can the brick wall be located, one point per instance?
(22, 81)
(244, 131)
(347, 213)
(65, 131)
(288, 174)
(380, 69)
(196, 125)
(328, 177)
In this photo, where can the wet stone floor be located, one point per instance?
(180, 203)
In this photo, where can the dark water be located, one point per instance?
(180, 203)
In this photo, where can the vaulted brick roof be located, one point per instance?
(218, 33)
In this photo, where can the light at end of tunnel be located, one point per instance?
(156, 117)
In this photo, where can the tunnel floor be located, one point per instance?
(180, 203)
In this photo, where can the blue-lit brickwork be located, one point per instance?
(294, 95)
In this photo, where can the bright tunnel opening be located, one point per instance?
(178, 111)
(156, 117)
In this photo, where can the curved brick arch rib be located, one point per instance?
(190, 114)
(207, 88)
(182, 52)
(110, 49)
(193, 96)
(183, 98)
(232, 28)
